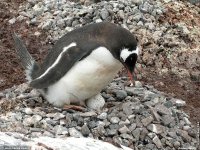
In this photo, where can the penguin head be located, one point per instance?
(128, 57)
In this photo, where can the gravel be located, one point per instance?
(128, 121)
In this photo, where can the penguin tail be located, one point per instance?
(27, 60)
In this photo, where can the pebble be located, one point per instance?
(114, 120)
(147, 121)
(156, 128)
(75, 133)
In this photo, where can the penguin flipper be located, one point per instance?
(61, 67)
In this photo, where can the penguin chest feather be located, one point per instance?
(85, 79)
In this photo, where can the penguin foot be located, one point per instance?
(73, 107)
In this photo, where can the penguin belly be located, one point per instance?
(85, 79)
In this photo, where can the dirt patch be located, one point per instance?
(11, 72)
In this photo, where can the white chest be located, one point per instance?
(85, 79)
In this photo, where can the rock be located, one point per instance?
(163, 110)
(102, 116)
(75, 133)
(12, 21)
(156, 128)
(186, 120)
(148, 95)
(104, 14)
(177, 144)
(121, 94)
(184, 135)
(178, 102)
(28, 111)
(85, 130)
(167, 119)
(138, 84)
(114, 120)
(96, 102)
(58, 116)
(146, 7)
(121, 14)
(88, 114)
(146, 121)
(157, 141)
(127, 108)
(136, 133)
(124, 129)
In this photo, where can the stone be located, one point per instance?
(102, 116)
(88, 114)
(75, 133)
(127, 108)
(28, 111)
(156, 128)
(96, 103)
(178, 102)
(162, 109)
(184, 135)
(157, 142)
(121, 94)
(104, 14)
(138, 84)
(146, 121)
(126, 136)
(58, 116)
(85, 130)
(124, 129)
(167, 119)
(154, 113)
(148, 95)
(121, 14)
(114, 120)
(134, 91)
(12, 21)
(186, 121)
(136, 133)
(177, 144)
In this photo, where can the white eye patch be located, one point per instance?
(125, 53)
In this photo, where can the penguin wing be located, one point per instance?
(64, 62)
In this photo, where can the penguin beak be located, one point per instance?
(130, 70)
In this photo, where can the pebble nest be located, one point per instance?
(140, 117)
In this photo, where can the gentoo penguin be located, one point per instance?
(81, 63)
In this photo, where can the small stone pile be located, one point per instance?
(139, 117)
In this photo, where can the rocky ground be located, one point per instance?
(140, 117)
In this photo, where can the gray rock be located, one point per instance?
(136, 133)
(126, 136)
(177, 144)
(12, 21)
(162, 109)
(58, 116)
(146, 7)
(121, 14)
(85, 130)
(156, 128)
(146, 121)
(104, 14)
(167, 119)
(102, 116)
(114, 120)
(184, 135)
(28, 111)
(135, 91)
(157, 142)
(75, 133)
(124, 129)
(127, 108)
(121, 94)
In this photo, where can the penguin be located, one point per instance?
(81, 63)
